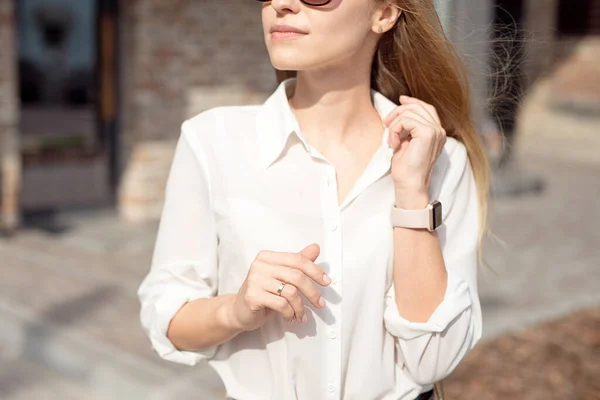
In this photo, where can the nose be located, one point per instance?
(289, 5)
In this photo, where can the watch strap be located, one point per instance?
(411, 218)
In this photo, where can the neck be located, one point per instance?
(333, 111)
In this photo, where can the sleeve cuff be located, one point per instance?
(165, 308)
(456, 299)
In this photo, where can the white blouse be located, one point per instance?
(244, 179)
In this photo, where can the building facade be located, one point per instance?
(99, 126)
(10, 164)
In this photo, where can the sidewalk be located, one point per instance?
(69, 312)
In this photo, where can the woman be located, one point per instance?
(282, 212)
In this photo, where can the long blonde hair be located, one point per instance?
(417, 59)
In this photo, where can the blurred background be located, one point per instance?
(92, 96)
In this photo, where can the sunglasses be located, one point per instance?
(314, 3)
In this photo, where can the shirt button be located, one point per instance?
(333, 226)
(331, 388)
(332, 335)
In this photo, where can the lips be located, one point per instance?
(287, 29)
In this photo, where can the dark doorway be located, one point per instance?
(68, 91)
(579, 18)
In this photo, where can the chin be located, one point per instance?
(288, 62)
(286, 66)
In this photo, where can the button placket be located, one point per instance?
(333, 239)
(333, 225)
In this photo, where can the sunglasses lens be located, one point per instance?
(309, 2)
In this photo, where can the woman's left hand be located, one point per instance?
(417, 137)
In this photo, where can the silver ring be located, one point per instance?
(280, 288)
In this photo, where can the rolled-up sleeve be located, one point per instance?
(184, 260)
(431, 350)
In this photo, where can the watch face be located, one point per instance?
(436, 214)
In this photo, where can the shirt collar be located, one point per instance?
(276, 122)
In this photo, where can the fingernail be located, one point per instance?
(322, 302)
(326, 279)
(304, 318)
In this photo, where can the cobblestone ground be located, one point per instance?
(69, 324)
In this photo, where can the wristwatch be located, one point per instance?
(429, 218)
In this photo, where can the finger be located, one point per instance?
(416, 108)
(277, 303)
(438, 132)
(431, 110)
(401, 128)
(420, 105)
(297, 261)
(301, 281)
(416, 116)
(396, 132)
(291, 293)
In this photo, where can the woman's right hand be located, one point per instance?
(258, 296)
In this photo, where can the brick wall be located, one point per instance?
(179, 58)
(10, 168)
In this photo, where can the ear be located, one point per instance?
(385, 16)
